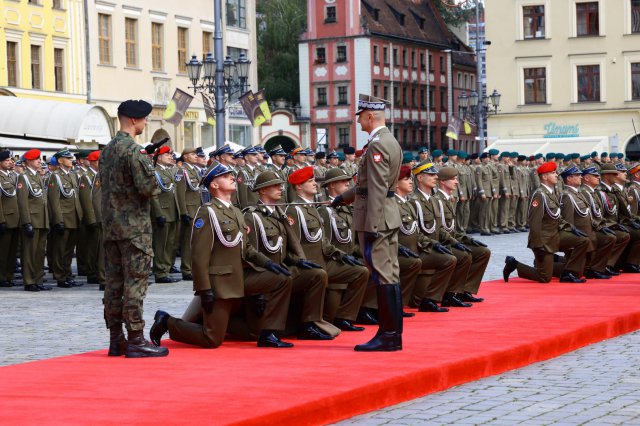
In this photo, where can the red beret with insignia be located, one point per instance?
(94, 156)
(359, 153)
(32, 154)
(405, 171)
(549, 166)
(301, 176)
(164, 149)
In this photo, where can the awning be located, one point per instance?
(20, 146)
(581, 145)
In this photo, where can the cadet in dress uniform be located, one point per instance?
(9, 219)
(347, 276)
(82, 236)
(90, 192)
(515, 192)
(522, 173)
(66, 217)
(377, 220)
(333, 159)
(227, 268)
(320, 166)
(634, 189)
(496, 191)
(550, 233)
(485, 194)
(247, 176)
(504, 202)
(464, 192)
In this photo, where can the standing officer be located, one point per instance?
(90, 193)
(9, 219)
(495, 191)
(66, 217)
(377, 220)
(128, 184)
(464, 192)
(82, 236)
(634, 189)
(189, 200)
(34, 221)
(485, 194)
(504, 202)
(247, 176)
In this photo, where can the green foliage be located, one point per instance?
(457, 15)
(280, 23)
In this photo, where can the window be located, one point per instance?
(330, 14)
(342, 54)
(442, 70)
(635, 81)
(343, 97)
(404, 57)
(234, 53)
(413, 59)
(34, 2)
(385, 55)
(405, 99)
(12, 64)
(422, 98)
(376, 59)
(188, 134)
(322, 96)
(533, 21)
(131, 41)
(376, 89)
(422, 66)
(635, 16)
(57, 4)
(157, 36)
(466, 81)
(104, 38)
(240, 134)
(587, 19)
(385, 92)
(472, 81)
(396, 95)
(236, 13)
(183, 37)
(459, 76)
(320, 55)
(431, 67)
(432, 98)
(206, 42)
(343, 136)
(395, 57)
(36, 72)
(535, 86)
(443, 100)
(588, 83)
(414, 97)
(58, 69)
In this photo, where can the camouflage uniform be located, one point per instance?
(128, 184)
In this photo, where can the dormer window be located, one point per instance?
(398, 15)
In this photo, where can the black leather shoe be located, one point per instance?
(310, 331)
(450, 300)
(31, 287)
(568, 277)
(44, 287)
(367, 316)
(510, 265)
(268, 339)
(64, 284)
(174, 270)
(429, 305)
(187, 277)
(630, 267)
(159, 327)
(345, 325)
(486, 234)
(6, 284)
(468, 297)
(609, 270)
(408, 314)
(117, 341)
(167, 280)
(597, 275)
(140, 348)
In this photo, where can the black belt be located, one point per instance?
(364, 192)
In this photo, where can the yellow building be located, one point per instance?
(569, 74)
(42, 46)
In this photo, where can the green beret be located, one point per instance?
(436, 153)
(620, 155)
(463, 155)
(493, 151)
(407, 157)
(594, 154)
(341, 156)
(445, 158)
(560, 157)
(538, 156)
(452, 152)
(513, 155)
(584, 157)
(604, 154)
(551, 156)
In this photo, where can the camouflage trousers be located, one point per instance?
(127, 268)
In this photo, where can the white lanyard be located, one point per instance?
(265, 242)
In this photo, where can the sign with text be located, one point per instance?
(554, 130)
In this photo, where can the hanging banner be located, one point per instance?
(252, 109)
(208, 110)
(468, 127)
(177, 106)
(453, 129)
(264, 106)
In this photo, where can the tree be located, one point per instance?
(280, 23)
(464, 12)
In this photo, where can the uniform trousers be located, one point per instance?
(9, 244)
(493, 219)
(435, 278)
(185, 247)
(164, 248)
(597, 259)
(521, 212)
(95, 254)
(345, 291)
(484, 215)
(63, 245)
(575, 249)
(479, 261)
(410, 268)
(381, 256)
(32, 256)
(511, 216)
(83, 237)
(622, 240)
(462, 215)
(631, 253)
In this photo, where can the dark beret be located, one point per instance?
(320, 155)
(349, 150)
(135, 109)
(5, 154)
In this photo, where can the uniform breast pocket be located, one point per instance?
(271, 232)
(229, 227)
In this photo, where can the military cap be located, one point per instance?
(265, 179)
(334, 175)
(613, 155)
(259, 148)
(550, 156)
(215, 169)
(452, 153)
(608, 169)
(188, 151)
(474, 156)
(503, 154)
(621, 167)
(635, 169)
(277, 151)
(298, 151)
(332, 154)
(592, 170)
(53, 161)
(5, 155)
(584, 157)
(463, 155)
(445, 158)
(571, 170)
(423, 149)
(594, 154)
(493, 151)
(63, 153)
(20, 160)
(522, 157)
(300, 176)
(225, 149)
(425, 167)
(405, 172)
(349, 150)
(604, 154)
(250, 150)
(309, 152)
(407, 157)
(447, 173)
(200, 152)
(94, 156)
(265, 156)
(320, 155)
(538, 156)
(83, 153)
(135, 108)
(238, 154)
(436, 153)
(560, 156)
(43, 165)
(368, 102)
(575, 155)
(484, 155)
(547, 167)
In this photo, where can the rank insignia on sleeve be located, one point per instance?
(290, 220)
(247, 229)
(534, 203)
(81, 185)
(199, 223)
(377, 158)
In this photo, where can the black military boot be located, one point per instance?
(117, 342)
(139, 347)
(389, 335)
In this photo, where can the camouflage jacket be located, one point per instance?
(128, 183)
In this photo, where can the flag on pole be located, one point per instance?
(252, 108)
(177, 106)
(467, 128)
(453, 129)
(208, 110)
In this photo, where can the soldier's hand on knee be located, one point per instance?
(462, 247)
(577, 232)
(635, 224)
(350, 260)
(307, 264)
(441, 249)
(608, 231)
(207, 299)
(622, 228)
(477, 243)
(277, 269)
(407, 252)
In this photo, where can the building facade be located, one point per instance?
(393, 49)
(569, 73)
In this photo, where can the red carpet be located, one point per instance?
(314, 383)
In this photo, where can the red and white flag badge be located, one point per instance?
(377, 158)
(534, 203)
(291, 221)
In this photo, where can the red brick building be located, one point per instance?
(399, 50)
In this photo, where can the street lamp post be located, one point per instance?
(222, 76)
(478, 108)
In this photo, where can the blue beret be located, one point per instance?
(135, 108)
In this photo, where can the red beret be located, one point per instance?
(405, 171)
(164, 149)
(359, 153)
(549, 166)
(32, 154)
(93, 156)
(301, 175)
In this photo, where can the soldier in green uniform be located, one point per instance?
(349, 165)
(493, 216)
(464, 192)
(247, 176)
(82, 235)
(9, 219)
(66, 217)
(227, 268)
(128, 185)
(320, 167)
(90, 192)
(634, 189)
(505, 192)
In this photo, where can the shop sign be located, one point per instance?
(554, 130)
